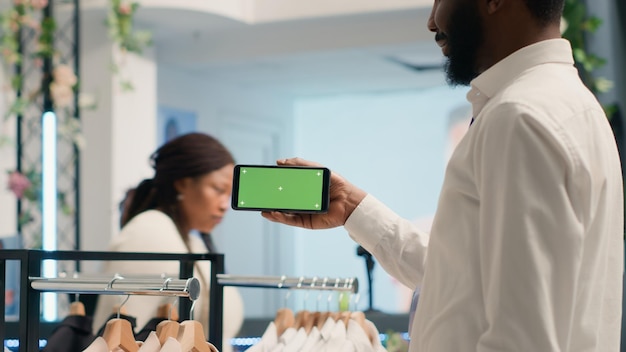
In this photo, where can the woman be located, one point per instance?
(189, 193)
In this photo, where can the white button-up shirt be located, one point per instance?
(526, 248)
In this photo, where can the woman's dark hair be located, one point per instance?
(189, 155)
(546, 11)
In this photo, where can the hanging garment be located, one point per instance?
(171, 345)
(325, 334)
(269, 339)
(358, 338)
(151, 343)
(72, 334)
(337, 338)
(297, 341)
(164, 314)
(150, 327)
(337, 332)
(100, 345)
(311, 339)
(284, 339)
(374, 336)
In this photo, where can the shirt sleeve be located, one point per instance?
(529, 237)
(396, 243)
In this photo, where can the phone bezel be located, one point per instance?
(325, 189)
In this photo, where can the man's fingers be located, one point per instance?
(288, 219)
(297, 162)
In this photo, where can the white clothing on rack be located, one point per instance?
(325, 334)
(151, 344)
(337, 338)
(311, 340)
(269, 339)
(358, 337)
(373, 331)
(171, 345)
(154, 231)
(334, 336)
(296, 342)
(100, 345)
(284, 339)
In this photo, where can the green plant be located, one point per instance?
(25, 19)
(395, 342)
(577, 26)
(120, 22)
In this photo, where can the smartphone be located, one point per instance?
(295, 189)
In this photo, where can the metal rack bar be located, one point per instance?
(283, 282)
(120, 286)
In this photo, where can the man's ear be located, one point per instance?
(494, 6)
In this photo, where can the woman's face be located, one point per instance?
(206, 199)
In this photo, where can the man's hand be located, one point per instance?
(344, 198)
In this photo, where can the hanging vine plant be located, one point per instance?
(26, 16)
(27, 45)
(120, 22)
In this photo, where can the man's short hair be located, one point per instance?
(546, 11)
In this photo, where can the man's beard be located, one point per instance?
(464, 37)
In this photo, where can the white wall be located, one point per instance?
(134, 122)
(120, 133)
(392, 145)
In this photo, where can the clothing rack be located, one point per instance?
(32, 285)
(119, 285)
(283, 282)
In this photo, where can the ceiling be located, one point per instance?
(313, 56)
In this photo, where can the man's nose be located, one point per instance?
(432, 26)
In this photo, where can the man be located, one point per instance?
(526, 248)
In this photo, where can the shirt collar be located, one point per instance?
(494, 79)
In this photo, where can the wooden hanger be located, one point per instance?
(118, 333)
(345, 317)
(283, 320)
(191, 337)
(359, 317)
(77, 308)
(308, 320)
(166, 311)
(322, 319)
(317, 316)
(170, 327)
(301, 318)
(304, 319)
(336, 315)
(212, 347)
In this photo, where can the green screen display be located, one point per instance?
(281, 188)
